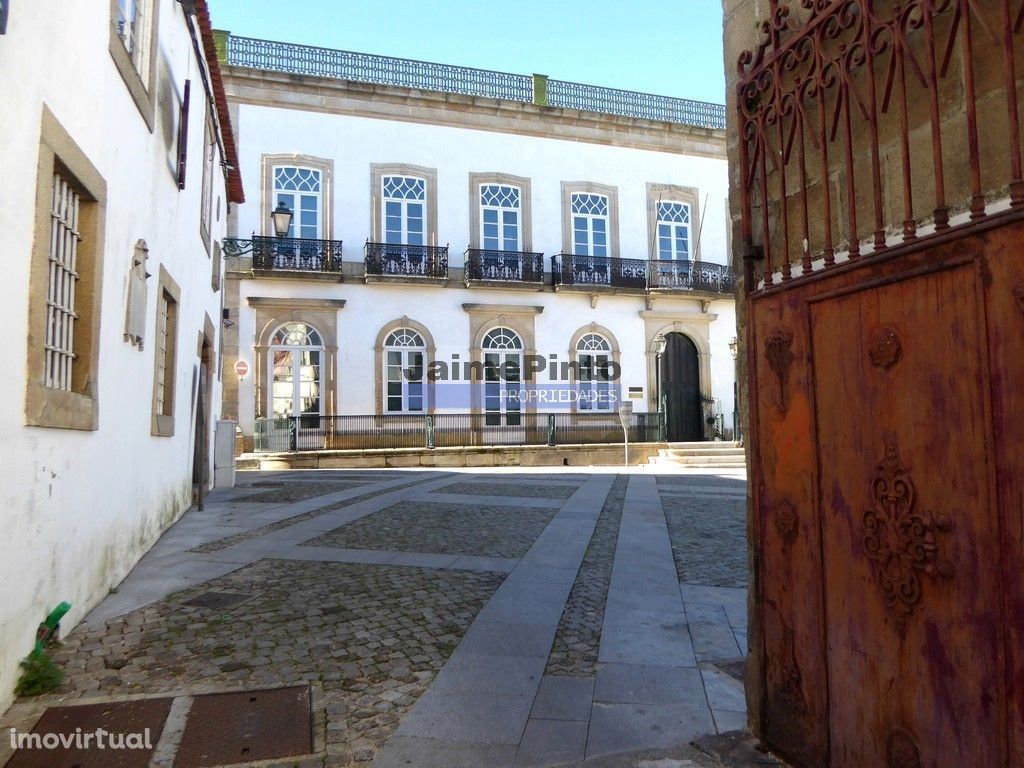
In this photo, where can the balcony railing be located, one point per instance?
(504, 266)
(449, 430)
(296, 254)
(395, 260)
(595, 271)
(409, 73)
(572, 269)
(691, 275)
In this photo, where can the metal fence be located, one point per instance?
(450, 430)
(409, 73)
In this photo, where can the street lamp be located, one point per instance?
(282, 218)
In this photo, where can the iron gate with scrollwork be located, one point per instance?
(883, 223)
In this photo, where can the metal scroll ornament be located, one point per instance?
(778, 349)
(901, 541)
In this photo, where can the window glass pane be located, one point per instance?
(490, 216)
(598, 224)
(395, 403)
(394, 357)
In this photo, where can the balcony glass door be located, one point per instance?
(404, 224)
(590, 239)
(296, 375)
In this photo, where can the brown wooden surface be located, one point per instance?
(893, 392)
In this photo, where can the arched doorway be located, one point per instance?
(680, 385)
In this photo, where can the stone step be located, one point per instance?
(680, 458)
(702, 452)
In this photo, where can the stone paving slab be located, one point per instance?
(536, 489)
(627, 727)
(564, 698)
(423, 752)
(549, 742)
(490, 499)
(646, 684)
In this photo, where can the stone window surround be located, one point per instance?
(271, 314)
(615, 355)
(326, 167)
(570, 188)
(693, 325)
(429, 355)
(45, 406)
(377, 173)
(525, 212)
(486, 317)
(141, 86)
(162, 424)
(677, 194)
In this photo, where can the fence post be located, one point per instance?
(429, 428)
(540, 90)
(551, 429)
(293, 433)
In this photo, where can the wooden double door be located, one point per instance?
(887, 404)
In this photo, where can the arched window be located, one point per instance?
(296, 372)
(503, 377)
(594, 357)
(404, 350)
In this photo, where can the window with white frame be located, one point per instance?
(404, 351)
(500, 222)
(296, 373)
(503, 387)
(300, 190)
(673, 230)
(589, 224)
(405, 204)
(133, 28)
(594, 358)
(61, 314)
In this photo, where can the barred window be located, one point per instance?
(166, 342)
(63, 279)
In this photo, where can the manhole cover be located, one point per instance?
(218, 600)
(130, 731)
(226, 728)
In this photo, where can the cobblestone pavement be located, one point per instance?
(372, 636)
(574, 652)
(539, 490)
(413, 526)
(227, 541)
(709, 539)
(289, 492)
(378, 640)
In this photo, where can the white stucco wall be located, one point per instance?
(80, 507)
(354, 143)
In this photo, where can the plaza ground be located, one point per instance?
(445, 618)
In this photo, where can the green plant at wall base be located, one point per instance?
(39, 675)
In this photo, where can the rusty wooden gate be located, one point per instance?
(885, 358)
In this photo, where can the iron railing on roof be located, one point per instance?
(409, 73)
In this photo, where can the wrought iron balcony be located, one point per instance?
(504, 266)
(395, 260)
(287, 254)
(692, 276)
(572, 269)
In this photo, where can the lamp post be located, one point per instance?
(660, 343)
(282, 218)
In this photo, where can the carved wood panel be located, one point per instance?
(908, 524)
(889, 510)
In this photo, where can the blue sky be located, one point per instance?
(672, 48)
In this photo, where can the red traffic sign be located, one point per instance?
(241, 368)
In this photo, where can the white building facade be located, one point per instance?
(114, 204)
(461, 249)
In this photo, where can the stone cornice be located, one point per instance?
(386, 102)
(266, 301)
(502, 309)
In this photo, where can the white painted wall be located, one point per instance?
(354, 143)
(80, 508)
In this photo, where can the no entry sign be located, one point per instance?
(241, 368)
